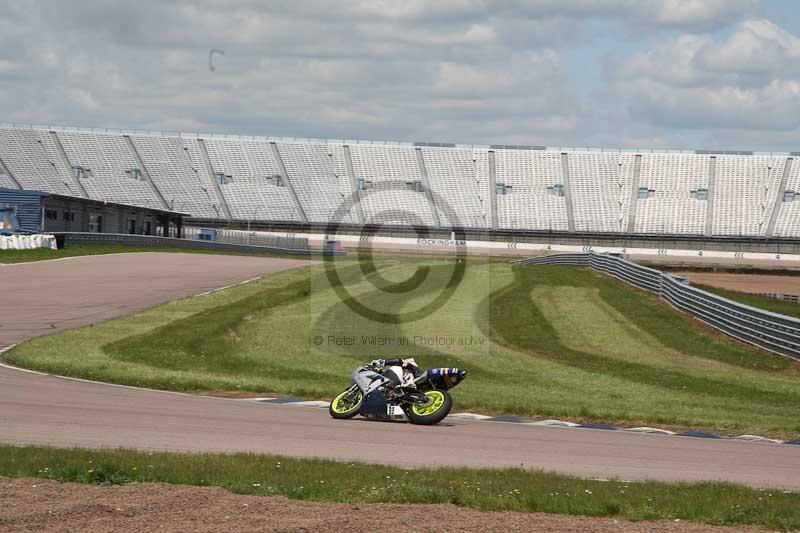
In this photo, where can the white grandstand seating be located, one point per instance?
(252, 195)
(387, 169)
(788, 222)
(671, 207)
(744, 193)
(600, 184)
(453, 177)
(6, 182)
(345, 190)
(483, 181)
(32, 164)
(185, 187)
(530, 205)
(109, 160)
(321, 190)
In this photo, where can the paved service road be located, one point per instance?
(47, 296)
(39, 409)
(36, 409)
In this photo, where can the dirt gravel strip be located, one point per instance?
(751, 283)
(41, 505)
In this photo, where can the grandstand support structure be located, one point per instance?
(567, 191)
(426, 185)
(493, 188)
(712, 178)
(773, 217)
(210, 172)
(637, 170)
(351, 177)
(4, 170)
(295, 200)
(145, 173)
(73, 176)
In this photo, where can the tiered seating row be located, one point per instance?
(202, 176)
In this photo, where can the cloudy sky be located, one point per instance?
(601, 73)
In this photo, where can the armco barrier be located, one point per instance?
(148, 240)
(770, 331)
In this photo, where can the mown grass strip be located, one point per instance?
(495, 490)
(538, 333)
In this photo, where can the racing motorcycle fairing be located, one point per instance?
(445, 378)
(391, 393)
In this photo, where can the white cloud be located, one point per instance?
(694, 13)
(457, 70)
(748, 80)
(757, 46)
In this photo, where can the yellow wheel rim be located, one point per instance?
(437, 400)
(342, 404)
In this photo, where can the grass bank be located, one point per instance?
(491, 490)
(539, 341)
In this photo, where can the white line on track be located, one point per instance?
(228, 286)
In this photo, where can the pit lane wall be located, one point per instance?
(151, 240)
(770, 331)
(350, 241)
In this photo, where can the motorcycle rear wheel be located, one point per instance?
(346, 404)
(433, 413)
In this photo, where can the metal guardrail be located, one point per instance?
(148, 240)
(771, 331)
(249, 238)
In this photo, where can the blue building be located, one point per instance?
(41, 212)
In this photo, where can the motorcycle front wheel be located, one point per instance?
(433, 413)
(346, 404)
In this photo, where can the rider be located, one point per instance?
(410, 368)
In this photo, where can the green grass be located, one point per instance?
(755, 300)
(491, 490)
(556, 342)
(75, 250)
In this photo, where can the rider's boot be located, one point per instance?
(392, 394)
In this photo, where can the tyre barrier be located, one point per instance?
(770, 331)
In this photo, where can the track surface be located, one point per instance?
(38, 409)
(49, 296)
(752, 283)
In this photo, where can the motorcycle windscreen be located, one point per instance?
(446, 378)
(368, 380)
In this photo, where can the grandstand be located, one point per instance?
(504, 188)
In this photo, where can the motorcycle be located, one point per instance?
(421, 399)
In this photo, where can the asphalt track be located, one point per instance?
(40, 409)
